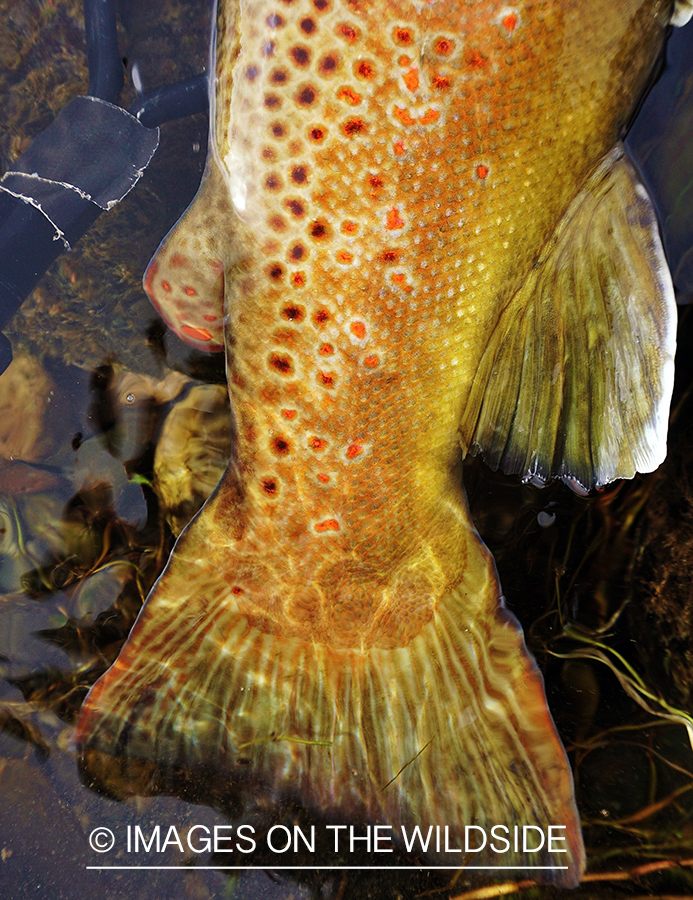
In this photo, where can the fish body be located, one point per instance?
(417, 236)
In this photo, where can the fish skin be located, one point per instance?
(393, 171)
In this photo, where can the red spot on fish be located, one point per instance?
(429, 116)
(316, 443)
(444, 47)
(319, 229)
(317, 134)
(404, 61)
(403, 37)
(199, 334)
(347, 32)
(326, 379)
(400, 279)
(350, 96)
(441, 82)
(327, 525)
(510, 22)
(399, 148)
(178, 261)
(411, 79)
(283, 364)
(210, 318)
(482, 171)
(349, 227)
(358, 329)
(321, 317)
(298, 279)
(475, 59)
(344, 257)
(236, 590)
(354, 450)
(289, 414)
(371, 361)
(364, 69)
(403, 116)
(389, 256)
(354, 126)
(326, 350)
(323, 477)
(394, 220)
(190, 291)
(166, 286)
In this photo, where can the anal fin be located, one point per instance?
(576, 379)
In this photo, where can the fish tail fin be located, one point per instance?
(451, 729)
(185, 278)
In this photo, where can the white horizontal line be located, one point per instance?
(340, 868)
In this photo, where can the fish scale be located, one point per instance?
(429, 236)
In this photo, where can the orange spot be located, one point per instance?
(444, 47)
(403, 36)
(475, 59)
(394, 220)
(199, 334)
(191, 292)
(364, 69)
(429, 116)
(327, 525)
(399, 148)
(482, 171)
(510, 22)
(358, 329)
(326, 350)
(210, 318)
(298, 279)
(321, 316)
(316, 443)
(354, 126)
(411, 79)
(354, 450)
(166, 286)
(404, 61)
(344, 257)
(326, 379)
(289, 414)
(348, 32)
(178, 261)
(322, 477)
(390, 255)
(400, 279)
(349, 227)
(403, 116)
(236, 590)
(349, 96)
(371, 361)
(440, 82)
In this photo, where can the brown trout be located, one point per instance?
(417, 236)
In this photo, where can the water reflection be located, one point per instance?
(90, 504)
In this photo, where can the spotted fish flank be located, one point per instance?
(429, 235)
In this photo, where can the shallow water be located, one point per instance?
(89, 509)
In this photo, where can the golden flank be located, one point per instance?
(417, 236)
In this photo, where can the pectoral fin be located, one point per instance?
(185, 279)
(683, 10)
(577, 377)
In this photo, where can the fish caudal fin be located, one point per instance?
(576, 379)
(185, 279)
(450, 730)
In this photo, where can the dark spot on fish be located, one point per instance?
(295, 207)
(319, 230)
(281, 446)
(251, 73)
(274, 20)
(317, 134)
(306, 95)
(273, 182)
(364, 69)
(354, 126)
(279, 76)
(403, 37)
(328, 64)
(307, 26)
(321, 5)
(278, 129)
(269, 486)
(297, 252)
(321, 317)
(299, 174)
(294, 313)
(281, 363)
(300, 55)
(275, 271)
(272, 101)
